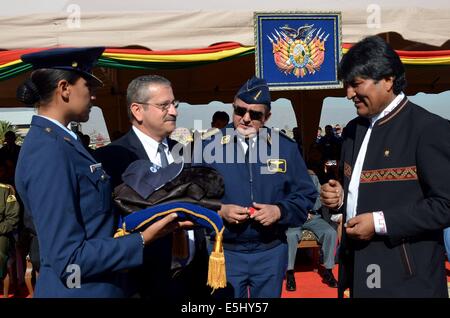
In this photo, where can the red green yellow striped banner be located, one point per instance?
(11, 65)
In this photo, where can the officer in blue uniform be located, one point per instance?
(66, 191)
(267, 190)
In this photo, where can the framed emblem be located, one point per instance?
(298, 50)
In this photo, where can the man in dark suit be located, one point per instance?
(152, 109)
(394, 199)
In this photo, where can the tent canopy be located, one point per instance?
(171, 24)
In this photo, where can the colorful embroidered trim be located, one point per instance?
(389, 174)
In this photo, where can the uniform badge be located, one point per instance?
(48, 129)
(225, 139)
(257, 95)
(154, 168)
(95, 167)
(11, 198)
(387, 152)
(276, 165)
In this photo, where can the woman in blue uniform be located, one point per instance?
(66, 190)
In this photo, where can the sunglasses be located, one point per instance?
(254, 115)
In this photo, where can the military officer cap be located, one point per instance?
(144, 177)
(80, 60)
(255, 91)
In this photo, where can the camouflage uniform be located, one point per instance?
(9, 219)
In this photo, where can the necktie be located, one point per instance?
(247, 153)
(162, 154)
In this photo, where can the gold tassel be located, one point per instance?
(180, 247)
(217, 277)
(120, 232)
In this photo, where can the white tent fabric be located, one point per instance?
(175, 24)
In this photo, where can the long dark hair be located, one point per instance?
(39, 88)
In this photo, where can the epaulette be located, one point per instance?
(9, 187)
(210, 133)
(49, 131)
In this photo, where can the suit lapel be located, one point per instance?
(361, 130)
(80, 148)
(177, 153)
(136, 145)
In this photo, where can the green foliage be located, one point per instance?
(4, 127)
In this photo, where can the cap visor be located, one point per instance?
(92, 79)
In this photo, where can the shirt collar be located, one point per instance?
(147, 140)
(388, 109)
(251, 140)
(57, 123)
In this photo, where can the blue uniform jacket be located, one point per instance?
(289, 186)
(70, 204)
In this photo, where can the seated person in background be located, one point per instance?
(326, 235)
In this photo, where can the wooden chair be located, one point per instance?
(309, 240)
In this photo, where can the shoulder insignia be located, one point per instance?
(9, 187)
(48, 129)
(210, 133)
(225, 139)
(11, 198)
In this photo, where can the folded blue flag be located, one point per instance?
(137, 221)
(199, 215)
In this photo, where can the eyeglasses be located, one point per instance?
(163, 106)
(254, 115)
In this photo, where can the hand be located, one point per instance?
(162, 227)
(361, 227)
(332, 194)
(233, 214)
(266, 214)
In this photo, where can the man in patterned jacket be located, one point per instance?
(394, 174)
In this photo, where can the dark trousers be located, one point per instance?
(255, 274)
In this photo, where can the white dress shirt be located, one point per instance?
(353, 188)
(244, 145)
(151, 148)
